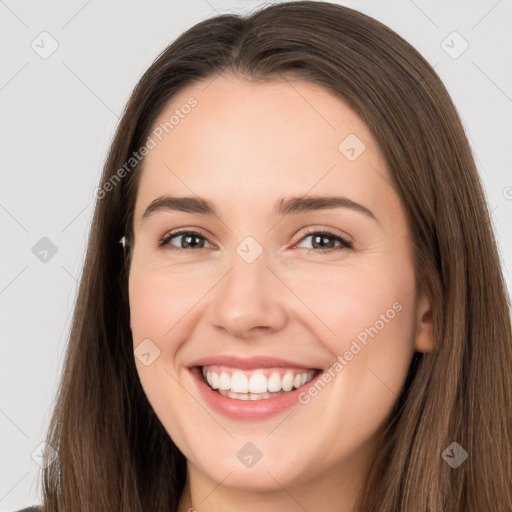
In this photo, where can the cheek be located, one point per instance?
(157, 302)
(354, 300)
(373, 322)
(368, 312)
(365, 317)
(158, 307)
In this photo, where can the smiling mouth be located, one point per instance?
(259, 384)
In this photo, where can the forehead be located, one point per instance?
(254, 141)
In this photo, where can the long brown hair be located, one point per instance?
(113, 452)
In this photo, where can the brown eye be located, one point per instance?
(324, 241)
(189, 240)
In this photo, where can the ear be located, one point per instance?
(424, 340)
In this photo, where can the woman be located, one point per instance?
(306, 310)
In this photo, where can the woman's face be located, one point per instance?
(261, 297)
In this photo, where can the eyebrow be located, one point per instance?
(284, 206)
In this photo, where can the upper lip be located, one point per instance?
(248, 363)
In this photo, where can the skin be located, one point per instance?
(244, 147)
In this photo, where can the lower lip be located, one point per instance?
(250, 410)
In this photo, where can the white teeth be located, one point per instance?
(288, 381)
(274, 383)
(247, 396)
(255, 385)
(239, 383)
(215, 380)
(224, 381)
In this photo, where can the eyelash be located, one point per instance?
(346, 244)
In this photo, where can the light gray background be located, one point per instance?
(57, 119)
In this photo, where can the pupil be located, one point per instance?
(322, 238)
(187, 240)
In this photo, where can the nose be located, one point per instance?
(249, 300)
